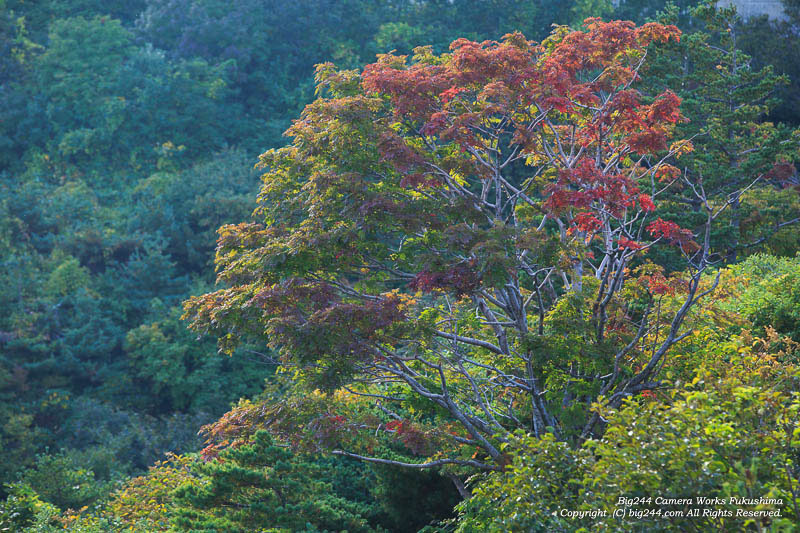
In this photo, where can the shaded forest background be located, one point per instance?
(128, 131)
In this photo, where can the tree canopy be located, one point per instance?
(461, 241)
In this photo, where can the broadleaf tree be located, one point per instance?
(454, 247)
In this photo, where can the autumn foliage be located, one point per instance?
(450, 241)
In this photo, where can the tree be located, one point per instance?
(259, 487)
(742, 161)
(183, 376)
(59, 481)
(641, 11)
(268, 47)
(465, 229)
(773, 303)
(453, 240)
(730, 433)
(144, 502)
(76, 73)
(777, 43)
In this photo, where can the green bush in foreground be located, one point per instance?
(732, 433)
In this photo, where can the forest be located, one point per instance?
(399, 266)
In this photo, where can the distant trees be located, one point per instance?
(741, 159)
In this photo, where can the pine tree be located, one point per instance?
(261, 486)
(740, 158)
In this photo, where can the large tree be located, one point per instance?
(455, 248)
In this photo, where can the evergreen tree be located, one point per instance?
(261, 486)
(742, 163)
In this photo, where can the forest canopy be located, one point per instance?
(504, 259)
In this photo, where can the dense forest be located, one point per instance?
(407, 265)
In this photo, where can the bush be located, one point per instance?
(732, 432)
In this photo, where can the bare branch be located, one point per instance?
(431, 464)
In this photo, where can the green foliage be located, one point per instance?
(591, 8)
(185, 207)
(21, 508)
(143, 503)
(397, 490)
(77, 72)
(398, 36)
(259, 486)
(56, 479)
(543, 479)
(115, 442)
(68, 277)
(181, 376)
(18, 434)
(740, 156)
(643, 11)
(772, 299)
(732, 432)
